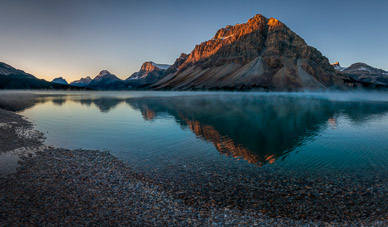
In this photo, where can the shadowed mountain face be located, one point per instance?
(149, 73)
(106, 81)
(59, 80)
(262, 53)
(11, 78)
(82, 82)
(366, 73)
(362, 75)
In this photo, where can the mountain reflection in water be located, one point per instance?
(258, 129)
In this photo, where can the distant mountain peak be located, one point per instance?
(59, 80)
(104, 80)
(103, 73)
(361, 66)
(151, 66)
(365, 73)
(82, 82)
(149, 73)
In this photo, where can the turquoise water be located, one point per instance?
(166, 131)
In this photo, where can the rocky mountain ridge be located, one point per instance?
(84, 81)
(59, 80)
(11, 78)
(105, 81)
(7, 70)
(364, 73)
(148, 74)
(262, 53)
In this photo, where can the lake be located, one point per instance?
(227, 133)
(285, 153)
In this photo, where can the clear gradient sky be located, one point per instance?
(78, 38)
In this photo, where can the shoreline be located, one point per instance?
(61, 186)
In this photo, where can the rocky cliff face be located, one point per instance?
(262, 53)
(59, 80)
(82, 82)
(149, 73)
(178, 62)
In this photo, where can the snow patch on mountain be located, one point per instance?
(364, 69)
(82, 82)
(161, 66)
(223, 38)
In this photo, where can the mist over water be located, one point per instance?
(160, 131)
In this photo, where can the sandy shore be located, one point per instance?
(54, 186)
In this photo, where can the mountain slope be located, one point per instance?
(59, 80)
(178, 62)
(106, 81)
(366, 73)
(82, 82)
(149, 73)
(11, 78)
(262, 53)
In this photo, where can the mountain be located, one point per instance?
(82, 82)
(106, 81)
(59, 80)
(178, 62)
(366, 73)
(149, 73)
(262, 53)
(11, 78)
(7, 70)
(338, 67)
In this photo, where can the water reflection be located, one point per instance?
(258, 129)
(20, 102)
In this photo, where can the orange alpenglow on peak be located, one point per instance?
(259, 54)
(257, 17)
(274, 22)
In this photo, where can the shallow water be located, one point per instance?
(164, 132)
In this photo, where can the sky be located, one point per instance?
(79, 38)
